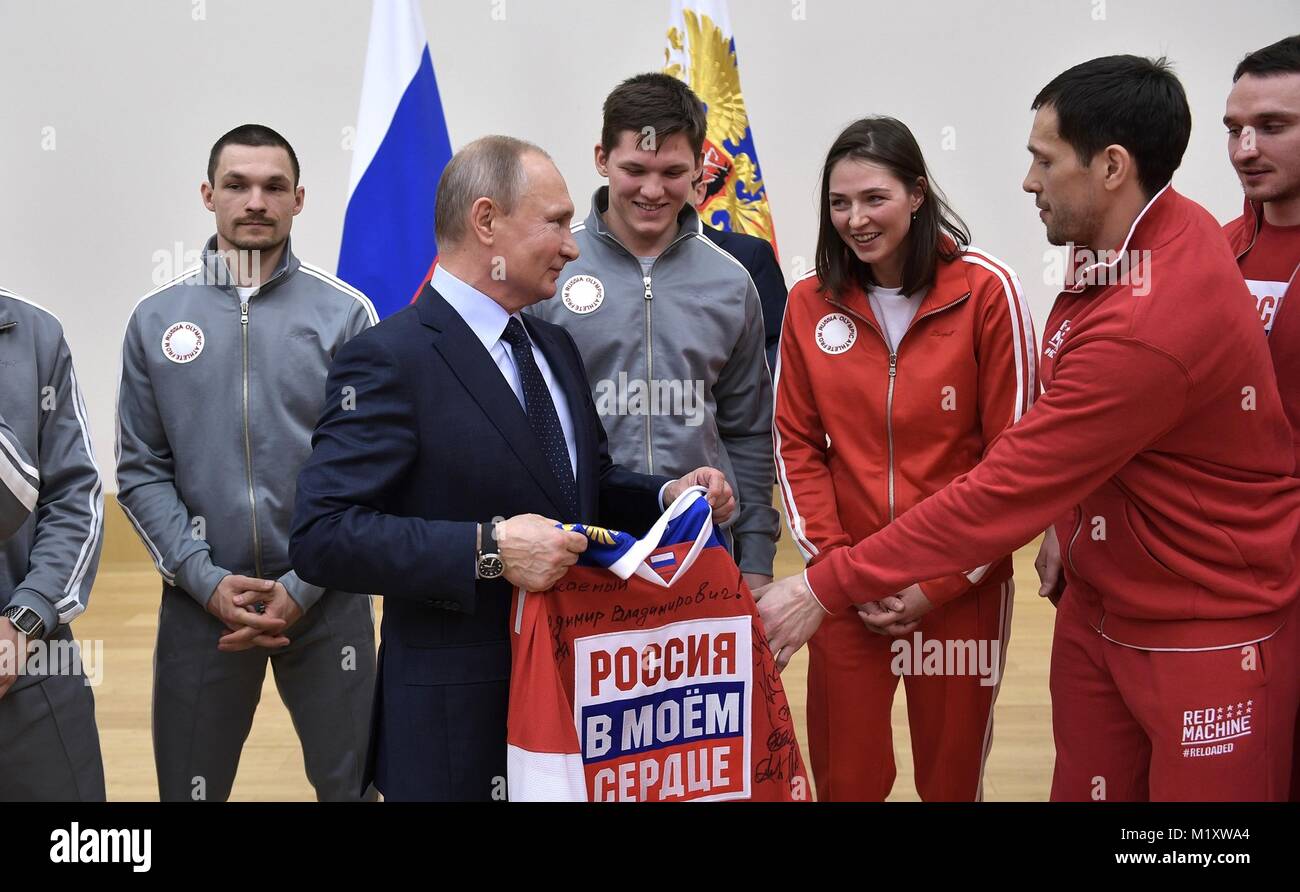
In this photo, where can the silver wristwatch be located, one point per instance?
(488, 564)
(26, 620)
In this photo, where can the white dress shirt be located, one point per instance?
(487, 319)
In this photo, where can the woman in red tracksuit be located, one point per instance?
(902, 357)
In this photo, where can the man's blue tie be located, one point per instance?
(542, 417)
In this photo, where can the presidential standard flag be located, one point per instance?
(401, 148)
(702, 52)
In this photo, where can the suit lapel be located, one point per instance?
(479, 375)
(575, 387)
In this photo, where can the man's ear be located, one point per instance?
(1118, 167)
(299, 196)
(482, 220)
(205, 192)
(602, 161)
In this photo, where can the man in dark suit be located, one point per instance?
(756, 255)
(439, 422)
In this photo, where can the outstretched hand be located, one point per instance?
(790, 614)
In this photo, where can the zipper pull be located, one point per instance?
(648, 294)
(243, 313)
(893, 364)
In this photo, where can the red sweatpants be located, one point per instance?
(1138, 725)
(1295, 755)
(853, 674)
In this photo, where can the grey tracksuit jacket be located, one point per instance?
(51, 495)
(216, 407)
(676, 364)
(19, 482)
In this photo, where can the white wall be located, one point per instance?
(136, 91)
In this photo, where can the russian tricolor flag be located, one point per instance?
(401, 148)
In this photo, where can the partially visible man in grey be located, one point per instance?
(223, 377)
(19, 482)
(51, 526)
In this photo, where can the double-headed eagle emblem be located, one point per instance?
(705, 58)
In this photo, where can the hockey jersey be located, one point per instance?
(644, 675)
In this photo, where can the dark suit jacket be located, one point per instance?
(756, 255)
(422, 438)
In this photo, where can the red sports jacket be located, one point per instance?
(863, 433)
(1159, 448)
(1284, 341)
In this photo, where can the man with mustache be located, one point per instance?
(223, 377)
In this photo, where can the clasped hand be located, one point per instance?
(235, 602)
(791, 614)
(898, 614)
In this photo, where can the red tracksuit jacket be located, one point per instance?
(900, 425)
(1284, 341)
(1159, 448)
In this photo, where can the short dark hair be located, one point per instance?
(936, 232)
(251, 135)
(656, 101)
(1131, 101)
(1282, 57)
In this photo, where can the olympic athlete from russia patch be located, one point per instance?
(644, 675)
(835, 333)
(182, 342)
(583, 294)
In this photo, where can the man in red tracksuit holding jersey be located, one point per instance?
(1263, 121)
(1160, 452)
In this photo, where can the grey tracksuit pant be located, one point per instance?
(49, 747)
(204, 699)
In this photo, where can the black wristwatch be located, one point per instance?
(27, 621)
(488, 563)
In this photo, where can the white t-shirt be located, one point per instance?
(894, 310)
(246, 291)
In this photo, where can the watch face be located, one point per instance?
(25, 621)
(490, 566)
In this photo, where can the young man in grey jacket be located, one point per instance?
(670, 325)
(51, 529)
(223, 378)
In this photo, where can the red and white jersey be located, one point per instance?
(1270, 267)
(644, 675)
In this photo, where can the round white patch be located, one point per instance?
(182, 342)
(836, 333)
(583, 294)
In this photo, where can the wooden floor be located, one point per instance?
(124, 615)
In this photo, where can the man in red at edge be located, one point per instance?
(1263, 121)
(1159, 451)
